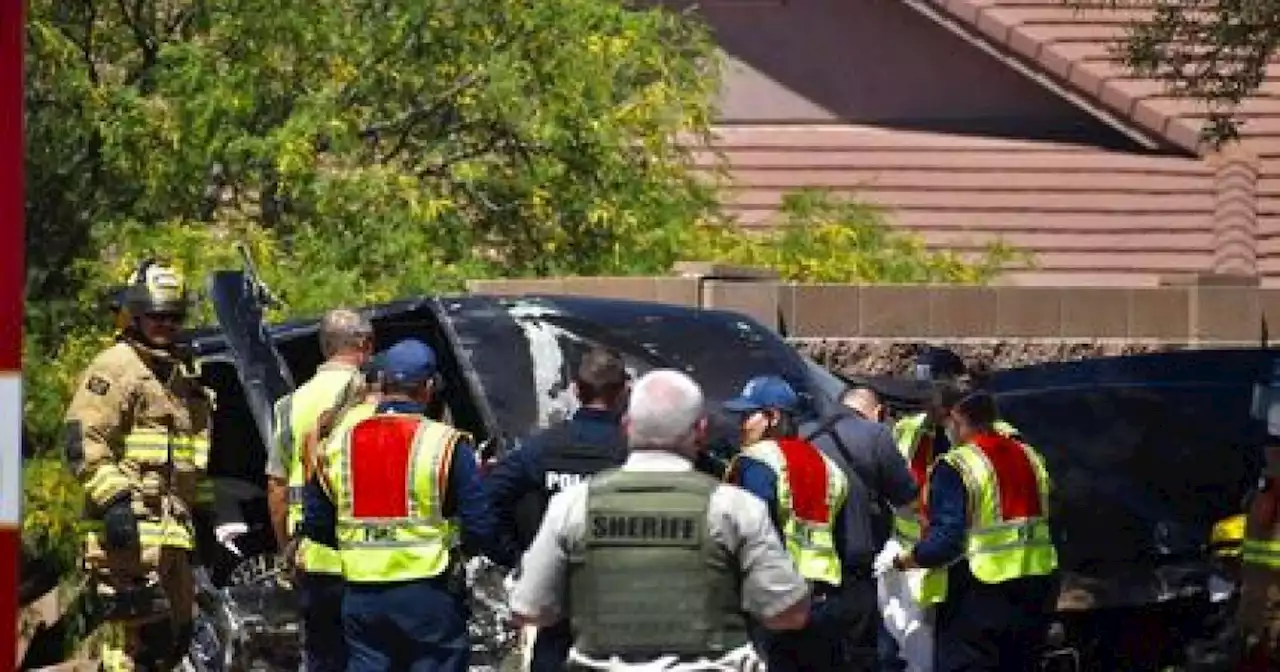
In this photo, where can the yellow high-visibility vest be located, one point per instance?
(296, 415)
(811, 543)
(388, 475)
(996, 549)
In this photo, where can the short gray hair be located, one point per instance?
(341, 329)
(664, 408)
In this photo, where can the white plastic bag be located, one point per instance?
(742, 659)
(905, 620)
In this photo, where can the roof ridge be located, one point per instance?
(1094, 92)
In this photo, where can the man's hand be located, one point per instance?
(121, 526)
(884, 561)
(278, 506)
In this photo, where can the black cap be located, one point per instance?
(933, 363)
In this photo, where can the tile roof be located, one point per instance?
(1072, 43)
(1091, 216)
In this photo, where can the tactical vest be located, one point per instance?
(1007, 536)
(648, 578)
(1262, 531)
(388, 475)
(567, 458)
(811, 489)
(296, 415)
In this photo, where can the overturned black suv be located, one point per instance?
(1146, 451)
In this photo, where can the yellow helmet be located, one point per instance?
(154, 287)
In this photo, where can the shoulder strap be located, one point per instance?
(828, 427)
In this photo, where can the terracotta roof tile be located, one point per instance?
(1086, 213)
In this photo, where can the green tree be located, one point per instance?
(367, 150)
(1208, 50)
(821, 237)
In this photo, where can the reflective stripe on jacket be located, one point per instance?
(1262, 529)
(807, 515)
(388, 476)
(1007, 486)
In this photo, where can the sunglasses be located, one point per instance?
(170, 318)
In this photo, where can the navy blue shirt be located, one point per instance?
(522, 473)
(943, 542)
(464, 498)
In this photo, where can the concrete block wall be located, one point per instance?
(874, 329)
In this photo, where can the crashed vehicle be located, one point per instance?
(506, 366)
(1147, 452)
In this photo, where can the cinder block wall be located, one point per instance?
(874, 329)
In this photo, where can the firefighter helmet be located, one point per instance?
(154, 287)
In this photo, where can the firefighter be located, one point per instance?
(346, 342)
(545, 463)
(137, 437)
(812, 501)
(404, 492)
(991, 560)
(655, 561)
(1259, 614)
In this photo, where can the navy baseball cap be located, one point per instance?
(409, 361)
(765, 392)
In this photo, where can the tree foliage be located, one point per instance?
(367, 149)
(820, 237)
(1213, 51)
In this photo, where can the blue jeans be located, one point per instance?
(413, 626)
(324, 649)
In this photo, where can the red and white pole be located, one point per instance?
(12, 291)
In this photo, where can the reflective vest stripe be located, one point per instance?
(1008, 536)
(391, 476)
(1259, 552)
(809, 538)
(913, 435)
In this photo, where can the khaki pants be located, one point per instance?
(148, 641)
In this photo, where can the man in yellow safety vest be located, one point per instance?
(346, 342)
(987, 545)
(406, 492)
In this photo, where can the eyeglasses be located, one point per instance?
(171, 318)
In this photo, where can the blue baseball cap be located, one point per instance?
(765, 392)
(409, 361)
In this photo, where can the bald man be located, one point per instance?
(865, 402)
